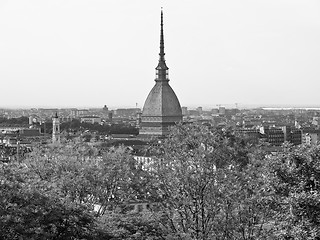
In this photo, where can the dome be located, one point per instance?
(162, 101)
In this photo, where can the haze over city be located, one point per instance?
(80, 53)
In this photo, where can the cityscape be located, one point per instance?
(166, 169)
(30, 127)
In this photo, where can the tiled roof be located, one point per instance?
(162, 101)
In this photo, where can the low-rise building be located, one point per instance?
(273, 135)
(310, 136)
(250, 134)
(90, 119)
(278, 135)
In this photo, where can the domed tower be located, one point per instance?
(161, 108)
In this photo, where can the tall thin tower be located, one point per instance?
(161, 108)
(56, 129)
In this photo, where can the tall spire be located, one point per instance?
(162, 69)
(161, 108)
(161, 39)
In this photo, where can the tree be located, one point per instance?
(202, 183)
(209, 186)
(133, 226)
(19, 120)
(87, 175)
(75, 125)
(295, 175)
(52, 194)
(34, 209)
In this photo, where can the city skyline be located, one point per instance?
(91, 53)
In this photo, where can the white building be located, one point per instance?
(90, 119)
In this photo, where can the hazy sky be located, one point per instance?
(88, 53)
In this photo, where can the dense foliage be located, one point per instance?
(202, 183)
(210, 185)
(114, 128)
(35, 209)
(19, 120)
(295, 176)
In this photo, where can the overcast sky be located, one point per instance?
(90, 53)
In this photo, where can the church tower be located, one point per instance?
(56, 129)
(161, 108)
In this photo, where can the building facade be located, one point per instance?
(56, 129)
(90, 119)
(311, 136)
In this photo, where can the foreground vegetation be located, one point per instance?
(202, 184)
